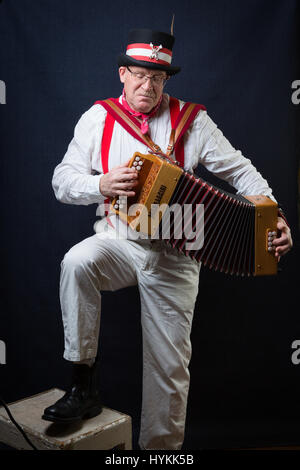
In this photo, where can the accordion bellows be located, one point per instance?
(226, 232)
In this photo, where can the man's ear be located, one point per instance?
(122, 72)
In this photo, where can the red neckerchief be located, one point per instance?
(145, 117)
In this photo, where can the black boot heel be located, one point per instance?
(93, 412)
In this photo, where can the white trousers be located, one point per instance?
(168, 287)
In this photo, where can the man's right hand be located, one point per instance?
(119, 181)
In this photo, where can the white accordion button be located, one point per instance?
(138, 168)
(137, 159)
(135, 163)
(116, 206)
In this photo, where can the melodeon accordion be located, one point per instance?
(234, 232)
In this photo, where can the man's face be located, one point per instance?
(142, 94)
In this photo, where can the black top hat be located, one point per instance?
(150, 49)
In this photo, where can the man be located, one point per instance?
(94, 169)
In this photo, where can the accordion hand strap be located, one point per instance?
(182, 123)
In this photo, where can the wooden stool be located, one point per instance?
(111, 429)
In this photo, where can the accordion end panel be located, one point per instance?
(156, 183)
(265, 229)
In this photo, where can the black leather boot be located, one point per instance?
(82, 401)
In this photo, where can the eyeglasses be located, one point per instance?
(142, 78)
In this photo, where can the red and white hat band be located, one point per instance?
(150, 53)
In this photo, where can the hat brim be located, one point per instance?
(125, 60)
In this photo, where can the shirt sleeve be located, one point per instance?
(74, 181)
(216, 154)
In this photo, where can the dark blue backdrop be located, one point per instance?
(237, 58)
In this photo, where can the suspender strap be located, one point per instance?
(184, 120)
(174, 106)
(174, 110)
(106, 139)
(180, 121)
(105, 146)
(130, 124)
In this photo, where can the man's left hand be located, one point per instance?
(283, 243)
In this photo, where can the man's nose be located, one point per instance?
(147, 85)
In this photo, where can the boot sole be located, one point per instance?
(87, 415)
(55, 419)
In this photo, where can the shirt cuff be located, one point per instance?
(282, 215)
(95, 188)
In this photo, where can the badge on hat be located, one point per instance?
(155, 51)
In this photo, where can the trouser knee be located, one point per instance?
(77, 263)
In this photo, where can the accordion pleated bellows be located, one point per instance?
(236, 231)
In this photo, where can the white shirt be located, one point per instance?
(75, 179)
